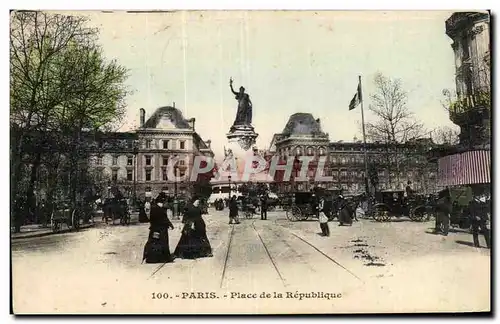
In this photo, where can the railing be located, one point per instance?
(480, 99)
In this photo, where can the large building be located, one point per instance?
(136, 162)
(470, 32)
(469, 162)
(396, 164)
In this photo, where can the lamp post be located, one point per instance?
(176, 203)
(229, 179)
(136, 151)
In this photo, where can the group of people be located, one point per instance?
(474, 212)
(193, 243)
(233, 208)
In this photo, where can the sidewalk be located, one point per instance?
(36, 230)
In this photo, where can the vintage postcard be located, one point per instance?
(250, 162)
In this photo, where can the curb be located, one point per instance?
(34, 235)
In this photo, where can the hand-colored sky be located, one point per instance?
(302, 61)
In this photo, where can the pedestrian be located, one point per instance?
(143, 217)
(147, 208)
(263, 207)
(157, 249)
(323, 219)
(443, 211)
(315, 204)
(345, 212)
(194, 242)
(233, 211)
(478, 218)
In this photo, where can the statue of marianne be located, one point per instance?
(244, 113)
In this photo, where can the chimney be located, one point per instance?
(173, 105)
(209, 143)
(143, 116)
(191, 123)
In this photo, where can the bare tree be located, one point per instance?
(446, 135)
(395, 124)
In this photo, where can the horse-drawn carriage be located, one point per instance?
(302, 206)
(393, 203)
(64, 214)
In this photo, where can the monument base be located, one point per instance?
(241, 147)
(244, 135)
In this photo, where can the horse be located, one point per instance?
(114, 209)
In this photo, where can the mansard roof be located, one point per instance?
(174, 114)
(302, 124)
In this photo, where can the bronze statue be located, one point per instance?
(244, 114)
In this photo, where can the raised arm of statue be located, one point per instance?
(231, 85)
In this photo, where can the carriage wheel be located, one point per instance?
(56, 226)
(289, 215)
(418, 214)
(378, 215)
(296, 213)
(386, 216)
(75, 220)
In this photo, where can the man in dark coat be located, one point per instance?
(443, 211)
(233, 210)
(263, 207)
(478, 216)
(157, 248)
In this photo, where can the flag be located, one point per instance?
(356, 100)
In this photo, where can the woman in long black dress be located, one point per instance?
(194, 242)
(143, 217)
(157, 249)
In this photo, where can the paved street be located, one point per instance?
(370, 266)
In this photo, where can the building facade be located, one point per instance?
(395, 164)
(137, 162)
(470, 32)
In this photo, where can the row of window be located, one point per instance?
(322, 151)
(130, 160)
(165, 144)
(147, 173)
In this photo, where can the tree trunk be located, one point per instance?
(30, 193)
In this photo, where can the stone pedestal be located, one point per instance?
(241, 147)
(243, 135)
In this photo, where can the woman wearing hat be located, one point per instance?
(157, 249)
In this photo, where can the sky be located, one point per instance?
(289, 62)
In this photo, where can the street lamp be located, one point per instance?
(229, 178)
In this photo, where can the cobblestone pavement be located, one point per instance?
(368, 267)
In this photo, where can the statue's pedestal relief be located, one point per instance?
(243, 135)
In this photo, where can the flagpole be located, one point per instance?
(367, 189)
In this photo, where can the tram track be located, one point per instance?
(227, 256)
(269, 255)
(315, 248)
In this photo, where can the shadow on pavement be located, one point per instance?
(465, 243)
